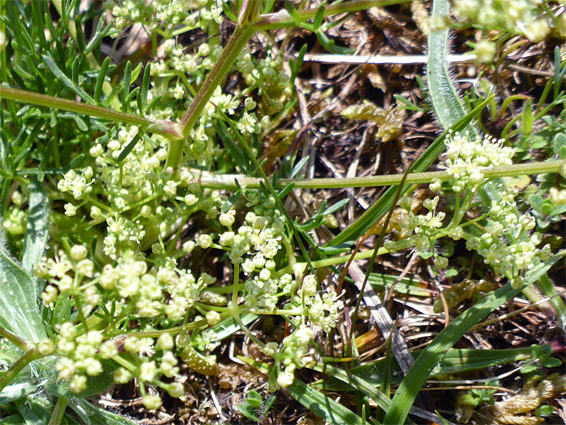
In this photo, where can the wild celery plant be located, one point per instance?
(110, 182)
(99, 167)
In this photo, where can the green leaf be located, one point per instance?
(19, 309)
(549, 290)
(297, 64)
(336, 207)
(441, 91)
(12, 420)
(315, 401)
(527, 121)
(100, 80)
(237, 154)
(323, 406)
(551, 362)
(248, 411)
(254, 399)
(145, 86)
(65, 80)
(129, 147)
(34, 413)
(455, 361)
(292, 12)
(126, 83)
(16, 391)
(228, 326)
(432, 355)
(35, 241)
(298, 167)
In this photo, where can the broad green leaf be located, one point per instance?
(37, 227)
(12, 420)
(432, 355)
(37, 411)
(19, 309)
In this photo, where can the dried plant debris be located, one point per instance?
(522, 408)
(460, 292)
(389, 122)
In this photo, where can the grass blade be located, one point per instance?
(432, 355)
(456, 360)
(547, 287)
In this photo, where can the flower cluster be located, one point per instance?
(506, 241)
(525, 16)
(507, 244)
(466, 159)
(425, 227)
(294, 354)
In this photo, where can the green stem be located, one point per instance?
(248, 332)
(18, 341)
(405, 243)
(237, 42)
(175, 330)
(282, 19)
(231, 181)
(59, 411)
(80, 312)
(163, 128)
(30, 355)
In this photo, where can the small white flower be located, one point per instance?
(204, 241)
(70, 210)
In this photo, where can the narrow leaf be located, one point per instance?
(100, 79)
(145, 86)
(65, 80)
(126, 82)
(129, 147)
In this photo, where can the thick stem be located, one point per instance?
(163, 128)
(228, 181)
(231, 52)
(282, 19)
